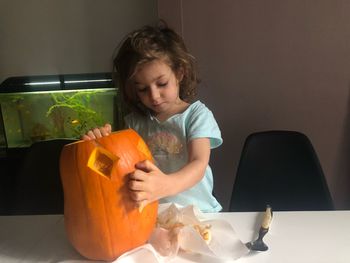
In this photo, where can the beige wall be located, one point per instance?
(64, 36)
(272, 65)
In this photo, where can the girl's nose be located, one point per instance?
(154, 93)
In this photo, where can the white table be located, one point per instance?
(293, 237)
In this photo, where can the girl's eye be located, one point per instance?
(141, 89)
(163, 84)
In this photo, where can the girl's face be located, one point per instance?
(157, 87)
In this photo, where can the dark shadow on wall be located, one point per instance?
(342, 172)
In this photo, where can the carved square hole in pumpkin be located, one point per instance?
(101, 161)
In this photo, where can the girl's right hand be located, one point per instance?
(97, 132)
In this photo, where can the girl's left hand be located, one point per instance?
(97, 132)
(148, 183)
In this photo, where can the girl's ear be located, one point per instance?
(180, 74)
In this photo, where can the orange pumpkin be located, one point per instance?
(101, 220)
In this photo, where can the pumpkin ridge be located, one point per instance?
(117, 249)
(109, 242)
(68, 218)
(128, 139)
(126, 212)
(82, 188)
(84, 192)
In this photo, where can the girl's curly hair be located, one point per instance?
(145, 45)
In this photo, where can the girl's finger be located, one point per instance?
(108, 128)
(97, 132)
(138, 196)
(86, 138)
(138, 175)
(146, 166)
(91, 135)
(104, 131)
(136, 185)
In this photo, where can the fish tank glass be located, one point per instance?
(50, 107)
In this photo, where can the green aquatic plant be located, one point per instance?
(73, 114)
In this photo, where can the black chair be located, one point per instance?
(279, 168)
(38, 188)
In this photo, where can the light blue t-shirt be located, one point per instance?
(168, 143)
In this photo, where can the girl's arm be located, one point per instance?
(148, 183)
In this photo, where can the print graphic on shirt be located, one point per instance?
(164, 144)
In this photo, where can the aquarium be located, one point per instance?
(51, 107)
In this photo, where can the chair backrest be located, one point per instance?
(38, 188)
(279, 168)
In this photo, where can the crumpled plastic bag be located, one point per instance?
(185, 232)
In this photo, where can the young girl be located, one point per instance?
(157, 78)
